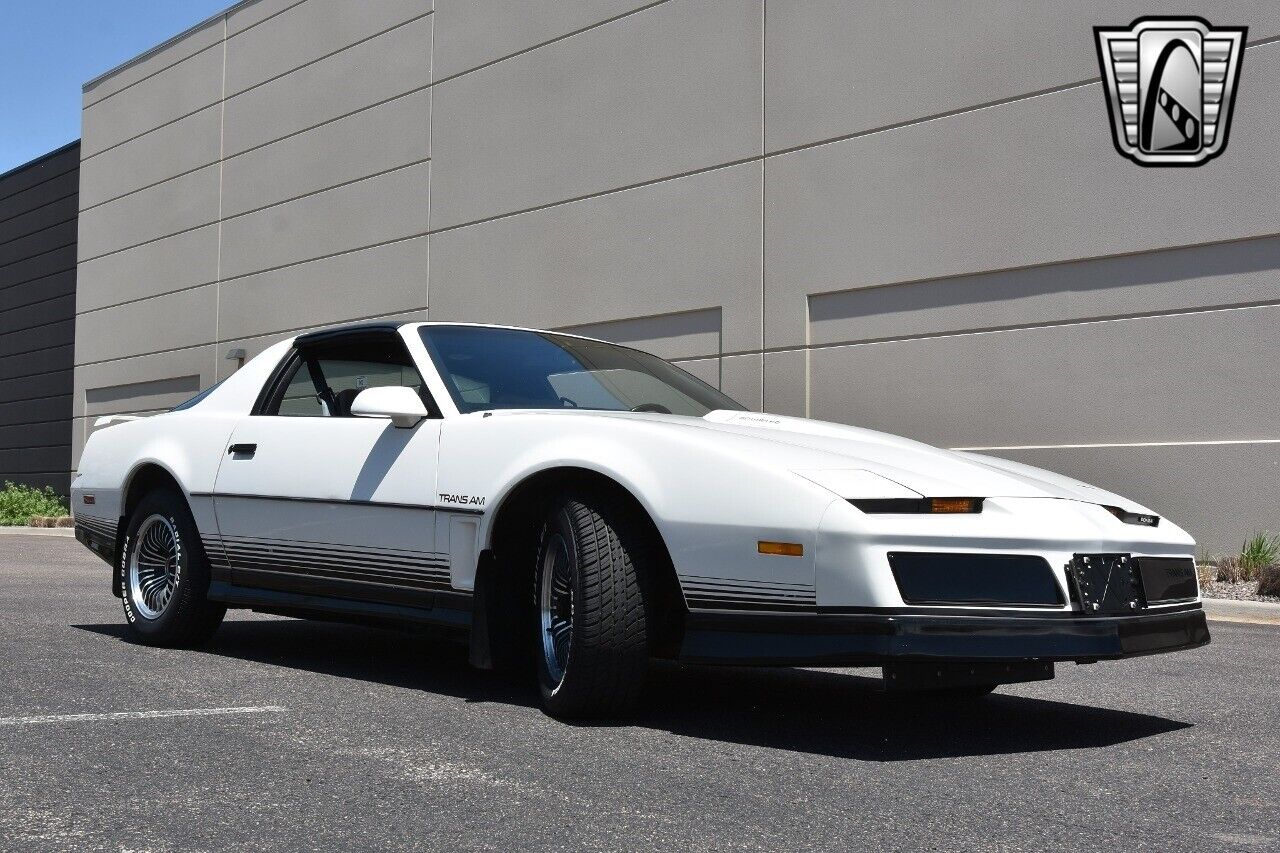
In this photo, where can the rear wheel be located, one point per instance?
(164, 574)
(590, 590)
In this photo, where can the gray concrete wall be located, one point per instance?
(37, 318)
(908, 216)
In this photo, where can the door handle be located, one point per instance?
(242, 449)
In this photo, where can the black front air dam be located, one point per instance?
(873, 639)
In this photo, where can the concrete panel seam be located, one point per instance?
(244, 4)
(226, 159)
(764, 207)
(220, 220)
(1080, 321)
(408, 93)
(222, 169)
(279, 267)
(169, 42)
(550, 41)
(282, 333)
(782, 350)
(331, 54)
(338, 186)
(600, 194)
(431, 78)
(162, 126)
(946, 114)
(1042, 265)
(220, 280)
(960, 111)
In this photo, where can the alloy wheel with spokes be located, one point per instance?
(155, 566)
(556, 605)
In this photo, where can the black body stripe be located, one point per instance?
(737, 594)
(383, 567)
(292, 499)
(694, 580)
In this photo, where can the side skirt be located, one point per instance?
(451, 609)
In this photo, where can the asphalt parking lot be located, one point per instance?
(321, 736)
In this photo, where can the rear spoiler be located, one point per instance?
(115, 419)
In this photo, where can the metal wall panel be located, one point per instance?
(38, 204)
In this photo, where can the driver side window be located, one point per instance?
(325, 380)
(300, 398)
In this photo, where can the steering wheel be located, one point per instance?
(656, 408)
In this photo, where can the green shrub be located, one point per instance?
(1260, 550)
(1269, 580)
(19, 503)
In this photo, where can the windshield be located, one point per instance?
(486, 368)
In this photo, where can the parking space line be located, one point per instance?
(139, 715)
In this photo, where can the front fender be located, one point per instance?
(709, 496)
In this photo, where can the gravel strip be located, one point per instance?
(1242, 591)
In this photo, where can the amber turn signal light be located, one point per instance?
(781, 549)
(954, 505)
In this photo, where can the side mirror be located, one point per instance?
(402, 405)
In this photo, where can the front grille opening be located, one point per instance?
(991, 580)
(1168, 579)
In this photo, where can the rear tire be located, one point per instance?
(164, 574)
(590, 593)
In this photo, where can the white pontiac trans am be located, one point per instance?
(577, 508)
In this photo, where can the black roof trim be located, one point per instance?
(354, 330)
(43, 158)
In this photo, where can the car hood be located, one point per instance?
(830, 454)
(926, 470)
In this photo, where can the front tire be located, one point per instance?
(591, 583)
(164, 574)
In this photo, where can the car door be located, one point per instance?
(312, 500)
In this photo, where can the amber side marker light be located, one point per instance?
(781, 549)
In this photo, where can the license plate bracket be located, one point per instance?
(1106, 584)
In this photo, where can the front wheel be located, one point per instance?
(164, 574)
(593, 561)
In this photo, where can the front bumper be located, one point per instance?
(877, 638)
